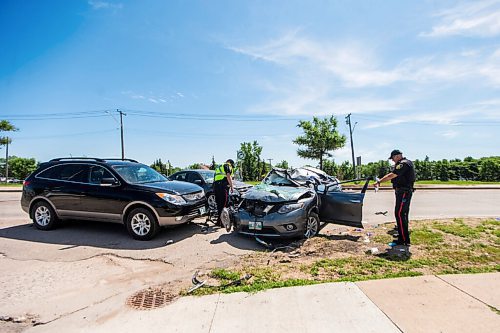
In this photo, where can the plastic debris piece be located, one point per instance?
(358, 229)
(381, 213)
(366, 239)
(374, 250)
(369, 234)
(392, 244)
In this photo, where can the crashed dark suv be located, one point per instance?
(297, 203)
(120, 191)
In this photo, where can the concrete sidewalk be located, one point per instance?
(448, 303)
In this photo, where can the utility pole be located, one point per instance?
(121, 132)
(7, 159)
(348, 122)
(270, 160)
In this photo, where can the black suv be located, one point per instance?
(122, 191)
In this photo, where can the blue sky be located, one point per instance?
(197, 78)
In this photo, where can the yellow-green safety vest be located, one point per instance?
(220, 174)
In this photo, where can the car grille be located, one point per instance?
(195, 211)
(194, 196)
(258, 208)
(264, 231)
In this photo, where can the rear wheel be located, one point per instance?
(312, 225)
(44, 217)
(141, 224)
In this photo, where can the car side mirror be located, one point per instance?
(109, 182)
(198, 181)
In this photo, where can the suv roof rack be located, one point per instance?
(120, 159)
(77, 158)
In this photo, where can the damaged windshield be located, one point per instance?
(278, 178)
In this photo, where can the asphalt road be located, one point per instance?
(85, 264)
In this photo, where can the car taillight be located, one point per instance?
(26, 183)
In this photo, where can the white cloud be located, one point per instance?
(449, 134)
(104, 5)
(356, 66)
(476, 18)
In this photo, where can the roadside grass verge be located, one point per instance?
(450, 246)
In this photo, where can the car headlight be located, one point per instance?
(172, 198)
(290, 207)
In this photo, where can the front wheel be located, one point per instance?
(141, 224)
(312, 225)
(212, 204)
(44, 217)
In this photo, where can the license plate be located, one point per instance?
(254, 225)
(202, 210)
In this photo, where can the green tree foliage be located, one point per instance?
(252, 166)
(159, 166)
(490, 169)
(20, 168)
(6, 126)
(320, 137)
(213, 165)
(283, 164)
(483, 169)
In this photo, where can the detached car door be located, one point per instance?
(340, 207)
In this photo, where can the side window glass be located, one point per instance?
(51, 173)
(181, 176)
(74, 173)
(97, 173)
(191, 177)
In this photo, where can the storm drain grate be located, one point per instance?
(150, 298)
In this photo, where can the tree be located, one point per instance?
(21, 168)
(251, 165)
(320, 137)
(159, 166)
(283, 164)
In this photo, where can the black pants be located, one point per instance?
(221, 193)
(401, 211)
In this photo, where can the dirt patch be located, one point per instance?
(438, 247)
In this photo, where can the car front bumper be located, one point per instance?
(286, 225)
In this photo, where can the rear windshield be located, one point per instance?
(139, 174)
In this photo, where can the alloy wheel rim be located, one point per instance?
(141, 224)
(211, 202)
(42, 216)
(311, 227)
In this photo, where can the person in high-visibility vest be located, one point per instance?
(222, 182)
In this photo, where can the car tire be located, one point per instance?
(212, 204)
(142, 224)
(311, 227)
(43, 216)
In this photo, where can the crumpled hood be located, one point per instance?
(271, 193)
(174, 187)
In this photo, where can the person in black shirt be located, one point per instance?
(402, 178)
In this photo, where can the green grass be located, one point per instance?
(10, 185)
(439, 247)
(430, 182)
(458, 228)
(454, 182)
